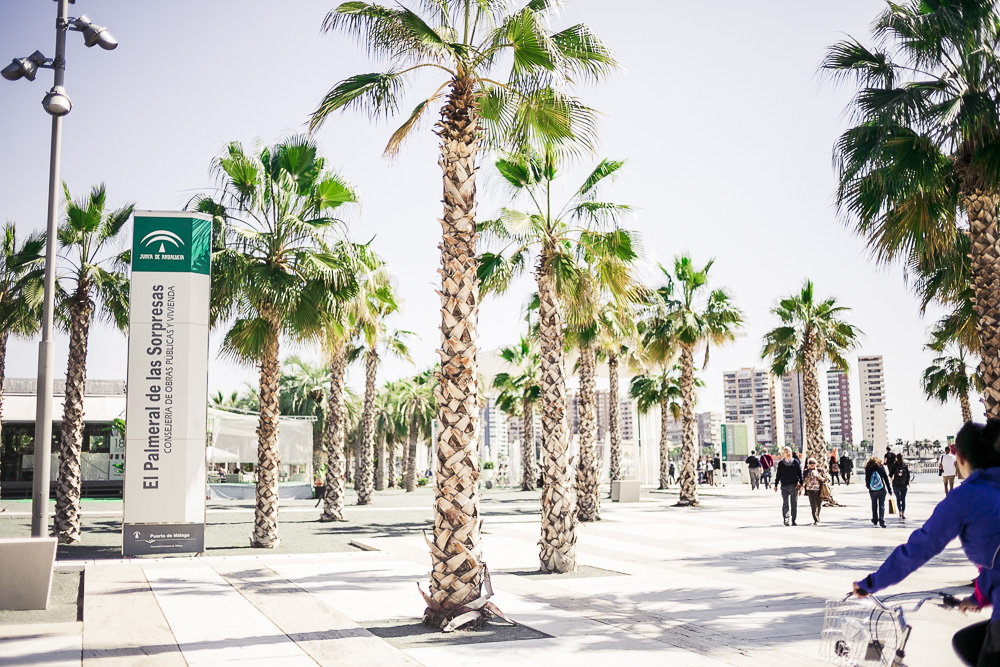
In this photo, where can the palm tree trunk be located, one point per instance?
(66, 522)
(456, 552)
(985, 259)
(3, 374)
(384, 447)
(587, 478)
(558, 542)
(615, 435)
(365, 473)
(529, 471)
(815, 445)
(664, 442)
(333, 497)
(404, 458)
(966, 408)
(265, 530)
(318, 439)
(688, 479)
(410, 480)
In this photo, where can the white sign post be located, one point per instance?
(166, 413)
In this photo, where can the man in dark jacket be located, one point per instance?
(753, 467)
(846, 467)
(766, 468)
(788, 477)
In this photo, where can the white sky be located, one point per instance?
(726, 127)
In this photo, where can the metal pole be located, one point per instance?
(46, 354)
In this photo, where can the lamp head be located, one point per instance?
(95, 35)
(56, 102)
(23, 67)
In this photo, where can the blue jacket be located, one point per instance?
(971, 512)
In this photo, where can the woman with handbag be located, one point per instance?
(813, 481)
(900, 483)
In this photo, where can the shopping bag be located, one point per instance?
(892, 506)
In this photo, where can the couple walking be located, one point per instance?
(759, 468)
(791, 480)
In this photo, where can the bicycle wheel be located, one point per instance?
(887, 635)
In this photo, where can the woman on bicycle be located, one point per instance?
(972, 513)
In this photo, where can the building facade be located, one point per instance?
(838, 391)
(871, 381)
(749, 394)
(793, 410)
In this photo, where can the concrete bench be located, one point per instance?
(26, 572)
(625, 491)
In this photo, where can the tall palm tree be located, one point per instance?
(588, 503)
(923, 153)
(95, 282)
(617, 338)
(811, 332)
(660, 389)
(378, 340)
(518, 393)
(418, 406)
(683, 315)
(275, 209)
(571, 245)
(467, 42)
(21, 283)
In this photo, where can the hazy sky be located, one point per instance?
(725, 125)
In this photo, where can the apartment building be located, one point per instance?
(749, 393)
(793, 410)
(871, 380)
(839, 401)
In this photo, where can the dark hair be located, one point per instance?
(978, 444)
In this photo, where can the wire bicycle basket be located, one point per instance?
(863, 633)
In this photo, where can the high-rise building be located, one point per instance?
(708, 430)
(871, 378)
(839, 397)
(793, 409)
(493, 432)
(749, 393)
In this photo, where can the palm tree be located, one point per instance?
(467, 42)
(588, 502)
(922, 155)
(811, 332)
(660, 389)
(950, 375)
(678, 319)
(572, 244)
(95, 282)
(617, 336)
(377, 339)
(418, 405)
(20, 290)
(272, 274)
(518, 394)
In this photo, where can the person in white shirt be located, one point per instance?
(946, 467)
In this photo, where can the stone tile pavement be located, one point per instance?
(724, 584)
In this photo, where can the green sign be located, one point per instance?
(174, 245)
(725, 442)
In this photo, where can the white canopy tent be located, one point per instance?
(233, 439)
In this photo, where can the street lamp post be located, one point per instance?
(57, 104)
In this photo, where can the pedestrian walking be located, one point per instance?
(834, 468)
(971, 515)
(900, 483)
(701, 469)
(766, 469)
(846, 468)
(947, 469)
(788, 477)
(709, 472)
(717, 471)
(877, 483)
(812, 481)
(672, 474)
(890, 460)
(753, 467)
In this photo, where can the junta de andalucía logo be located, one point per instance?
(163, 237)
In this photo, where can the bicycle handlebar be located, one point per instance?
(948, 600)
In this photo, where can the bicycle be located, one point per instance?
(865, 632)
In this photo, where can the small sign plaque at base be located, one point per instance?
(143, 539)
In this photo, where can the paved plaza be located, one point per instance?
(723, 584)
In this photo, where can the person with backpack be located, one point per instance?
(834, 468)
(900, 483)
(877, 483)
(972, 514)
(766, 465)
